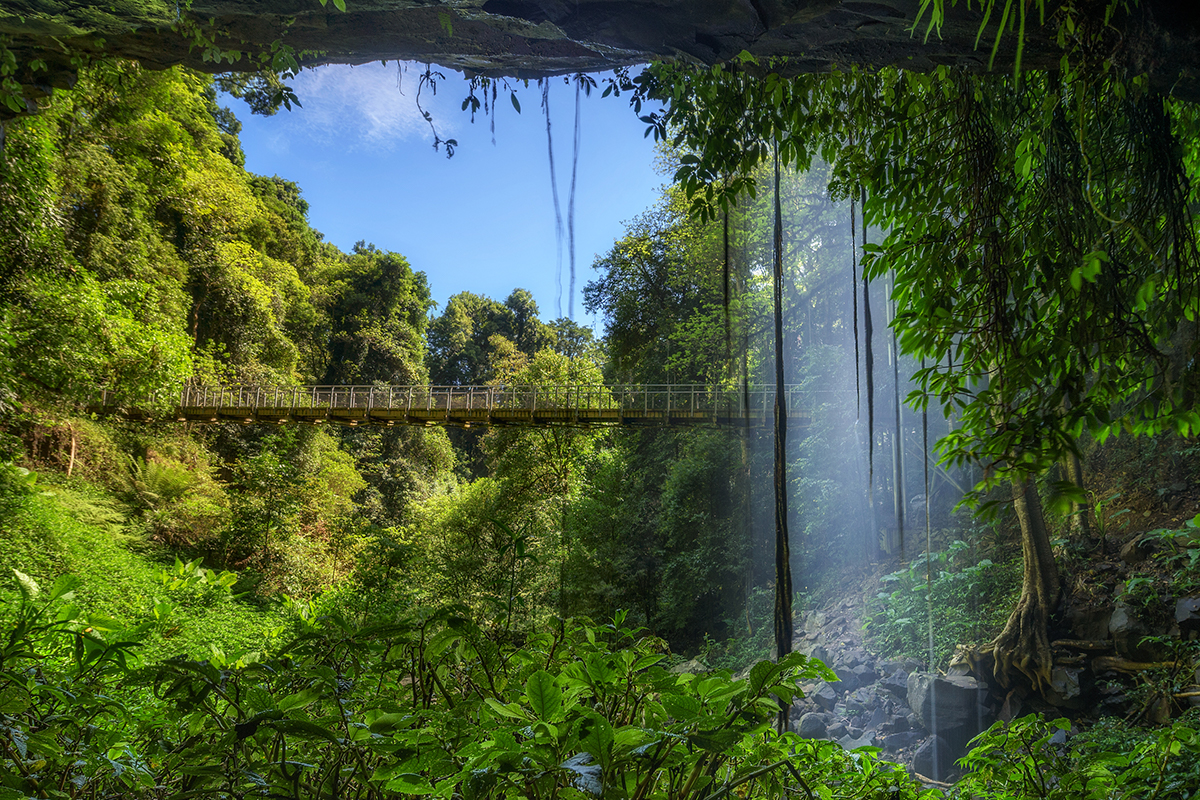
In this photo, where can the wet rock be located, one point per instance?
(957, 701)
(902, 740)
(1187, 616)
(824, 696)
(934, 759)
(895, 725)
(1066, 688)
(853, 742)
(835, 731)
(896, 683)
(812, 725)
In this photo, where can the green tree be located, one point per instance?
(377, 312)
(541, 470)
(474, 334)
(1042, 243)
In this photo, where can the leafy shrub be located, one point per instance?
(424, 705)
(1031, 757)
(969, 598)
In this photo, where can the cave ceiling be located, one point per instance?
(535, 38)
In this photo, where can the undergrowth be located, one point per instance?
(47, 531)
(970, 600)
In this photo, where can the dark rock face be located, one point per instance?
(869, 706)
(1066, 689)
(1187, 616)
(811, 725)
(952, 707)
(531, 38)
(934, 759)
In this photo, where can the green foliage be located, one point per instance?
(1031, 758)
(971, 598)
(423, 705)
(195, 585)
(476, 339)
(1077, 263)
(378, 319)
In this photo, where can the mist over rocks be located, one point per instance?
(872, 704)
(925, 720)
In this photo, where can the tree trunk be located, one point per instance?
(1024, 644)
(1080, 525)
(71, 460)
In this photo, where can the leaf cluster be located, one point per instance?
(427, 704)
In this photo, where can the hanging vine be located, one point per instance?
(783, 568)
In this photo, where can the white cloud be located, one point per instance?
(363, 106)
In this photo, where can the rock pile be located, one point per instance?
(916, 718)
(925, 720)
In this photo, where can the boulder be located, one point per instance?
(896, 683)
(1089, 623)
(848, 680)
(950, 706)
(864, 675)
(1187, 616)
(812, 725)
(835, 731)
(1128, 630)
(1135, 551)
(863, 739)
(861, 701)
(876, 718)
(824, 696)
(934, 759)
(1066, 689)
(901, 740)
(953, 708)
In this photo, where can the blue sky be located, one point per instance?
(481, 221)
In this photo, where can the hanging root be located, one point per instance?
(1024, 644)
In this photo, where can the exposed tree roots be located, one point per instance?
(1024, 644)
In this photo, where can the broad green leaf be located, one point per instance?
(761, 673)
(299, 699)
(682, 708)
(304, 729)
(409, 783)
(716, 741)
(510, 710)
(390, 722)
(545, 698)
(63, 586)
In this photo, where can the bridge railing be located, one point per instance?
(667, 399)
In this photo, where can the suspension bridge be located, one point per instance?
(667, 405)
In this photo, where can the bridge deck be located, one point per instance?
(468, 406)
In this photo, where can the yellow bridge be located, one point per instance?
(467, 406)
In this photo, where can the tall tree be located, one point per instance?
(1040, 231)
